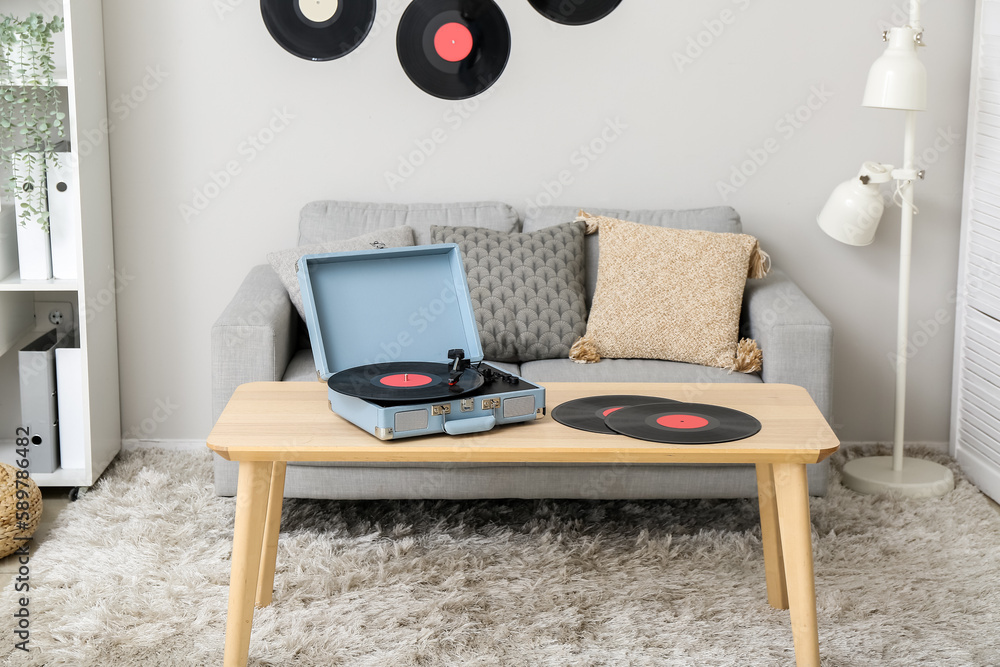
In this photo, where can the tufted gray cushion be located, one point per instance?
(527, 289)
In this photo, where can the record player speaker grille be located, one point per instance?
(411, 420)
(518, 407)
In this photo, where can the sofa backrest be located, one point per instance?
(323, 221)
(715, 219)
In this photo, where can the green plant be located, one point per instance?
(31, 121)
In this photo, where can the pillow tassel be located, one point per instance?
(760, 263)
(749, 358)
(584, 351)
(593, 221)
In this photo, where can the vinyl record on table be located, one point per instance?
(575, 12)
(403, 382)
(588, 414)
(318, 29)
(683, 423)
(453, 49)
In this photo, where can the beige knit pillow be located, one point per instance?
(670, 294)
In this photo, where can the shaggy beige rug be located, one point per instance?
(136, 573)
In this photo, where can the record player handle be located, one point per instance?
(473, 425)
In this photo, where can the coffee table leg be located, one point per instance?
(251, 509)
(792, 493)
(272, 525)
(774, 565)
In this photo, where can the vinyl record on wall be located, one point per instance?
(453, 49)
(318, 29)
(575, 12)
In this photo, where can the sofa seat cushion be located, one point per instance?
(639, 481)
(628, 370)
(301, 368)
(322, 221)
(714, 219)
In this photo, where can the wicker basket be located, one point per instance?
(9, 530)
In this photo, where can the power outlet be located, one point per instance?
(54, 315)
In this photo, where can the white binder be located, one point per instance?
(69, 386)
(34, 257)
(62, 185)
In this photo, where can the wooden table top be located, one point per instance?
(292, 421)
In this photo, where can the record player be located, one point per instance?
(394, 336)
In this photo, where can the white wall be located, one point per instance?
(199, 78)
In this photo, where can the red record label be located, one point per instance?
(453, 42)
(682, 421)
(610, 410)
(406, 380)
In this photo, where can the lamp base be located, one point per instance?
(918, 478)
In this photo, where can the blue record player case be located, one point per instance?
(370, 308)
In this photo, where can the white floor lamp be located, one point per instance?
(897, 80)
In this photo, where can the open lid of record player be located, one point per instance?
(397, 304)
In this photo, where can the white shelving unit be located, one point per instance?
(80, 70)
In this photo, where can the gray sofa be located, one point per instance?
(259, 337)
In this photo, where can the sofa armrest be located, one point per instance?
(254, 338)
(795, 337)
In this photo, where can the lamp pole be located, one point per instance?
(905, 253)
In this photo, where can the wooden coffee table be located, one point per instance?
(267, 424)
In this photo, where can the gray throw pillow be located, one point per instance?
(283, 262)
(527, 289)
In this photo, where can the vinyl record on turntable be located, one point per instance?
(453, 49)
(403, 382)
(589, 413)
(318, 29)
(575, 12)
(683, 423)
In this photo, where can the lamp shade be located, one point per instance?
(853, 212)
(898, 80)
